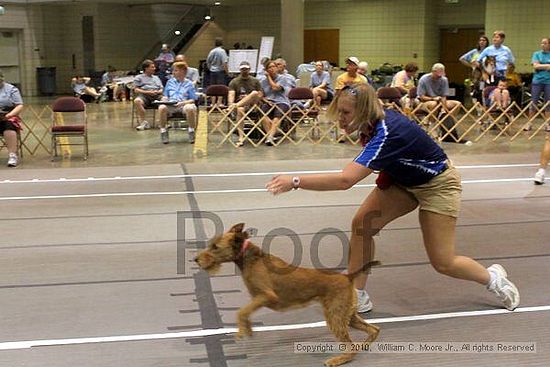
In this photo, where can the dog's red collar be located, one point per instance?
(245, 245)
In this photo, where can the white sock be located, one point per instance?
(491, 284)
(190, 129)
(361, 293)
(542, 170)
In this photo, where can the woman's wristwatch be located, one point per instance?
(295, 182)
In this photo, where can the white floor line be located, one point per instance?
(204, 192)
(197, 175)
(209, 332)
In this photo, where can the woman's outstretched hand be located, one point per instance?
(279, 184)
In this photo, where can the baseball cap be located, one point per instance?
(244, 65)
(354, 60)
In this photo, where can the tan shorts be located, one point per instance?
(441, 194)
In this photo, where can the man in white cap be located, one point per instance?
(245, 91)
(351, 76)
(433, 89)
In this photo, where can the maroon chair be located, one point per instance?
(218, 90)
(298, 113)
(389, 96)
(68, 129)
(301, 94)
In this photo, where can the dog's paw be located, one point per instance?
(338, 360)
(243, 333)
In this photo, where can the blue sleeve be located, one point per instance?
(370, 156)
(15, 96)
(468, 55)
(482, 55)
(446, 87)
(421, 89)
(511, 58)
(536, 57)
(192, 94)
(137, 82)
(166, 91)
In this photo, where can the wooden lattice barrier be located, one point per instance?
(35, 135)
(462, 123)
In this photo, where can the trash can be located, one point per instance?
(46, 80)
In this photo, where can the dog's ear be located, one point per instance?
(237, 228)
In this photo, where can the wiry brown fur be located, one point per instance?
(277, 285)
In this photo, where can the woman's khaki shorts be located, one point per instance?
(441, 194)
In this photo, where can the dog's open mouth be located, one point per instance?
(211, 267)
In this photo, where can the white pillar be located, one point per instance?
(292, 33)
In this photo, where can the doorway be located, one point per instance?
(322, 44)
(455, 42)
(9, 57)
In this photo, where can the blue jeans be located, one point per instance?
(536, 90)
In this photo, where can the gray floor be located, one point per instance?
(90, 250)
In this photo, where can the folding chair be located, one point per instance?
(61, 129)
(299, 114)
(390, 97)
(217, 90)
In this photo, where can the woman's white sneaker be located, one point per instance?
(12, 160)
(364, 304)
(503, 288)
(539, 177)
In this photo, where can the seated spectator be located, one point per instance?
(500, 96)
(363, 69)
(166, 54)
(281, 69)
(245, 91)
(181, 90)
(514, 83)
(148, 88)
(275, 89)
(11, 105)
(320, 85)
(192, 73)
(404, 81)
(261, 68)
(433, 89)
(351, 76)
(107, 81)
(81, 88)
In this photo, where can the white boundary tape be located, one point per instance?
(197, 175)
(204, 192)
(209, 332)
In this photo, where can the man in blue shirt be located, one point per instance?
(433, 89)
(216, 61)
(180, 90)
(502, 54)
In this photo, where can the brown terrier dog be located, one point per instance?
(277, 285)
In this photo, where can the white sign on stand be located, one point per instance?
(237, 56)
(266, 49)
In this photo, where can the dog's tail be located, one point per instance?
(364, 269)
